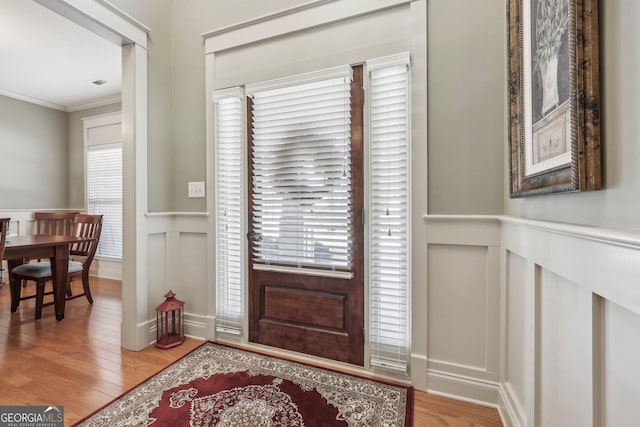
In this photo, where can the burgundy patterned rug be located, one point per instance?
(215, 385)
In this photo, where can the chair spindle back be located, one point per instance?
(87, 226)
(4, 229)
(55, 223)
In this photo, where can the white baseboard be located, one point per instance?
(419, 371)
(199, 327)
(463, 388)
(510, 413)
(106, 269)
(195, 326)
(142, 337)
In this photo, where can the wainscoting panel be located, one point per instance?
(158, 270)
(463, 316)
(457, 313)
(563, 352)
(619, 373)
(572, 323)
(518, 334)
(21, 222)
(569, 327)
(192, 272)
(178, 261)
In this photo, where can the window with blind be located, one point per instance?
(229, 210)
(301, 171)
(389, 206)
(104, 195)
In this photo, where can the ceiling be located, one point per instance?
(49, 60)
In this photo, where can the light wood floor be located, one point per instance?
(78, 363)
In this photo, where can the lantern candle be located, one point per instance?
(169, 322)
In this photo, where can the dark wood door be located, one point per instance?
(309, 313)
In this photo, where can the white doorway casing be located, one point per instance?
(114, 25)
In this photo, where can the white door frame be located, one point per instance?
(106, 20)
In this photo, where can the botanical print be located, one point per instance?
(550, 52)
(551, 86)
(554, 96)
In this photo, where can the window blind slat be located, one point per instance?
(389, 224)
(301, 174)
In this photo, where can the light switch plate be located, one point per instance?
(196, 189)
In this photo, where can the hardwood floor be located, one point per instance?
(78, 363)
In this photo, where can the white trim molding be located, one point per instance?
(35, 101)
(103, 18)
(67, 109)
(302, 17)
(100, 102)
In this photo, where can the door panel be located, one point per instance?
(313, 315)
(295, 305)
(321, 316)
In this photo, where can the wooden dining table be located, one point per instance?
(55, 248)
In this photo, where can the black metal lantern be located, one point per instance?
(170, 322)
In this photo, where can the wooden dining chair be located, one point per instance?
(52, 224)
(89, 226)
(4, 230)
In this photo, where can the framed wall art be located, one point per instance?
(554, 96)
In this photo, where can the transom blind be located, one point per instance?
(104, 195)
(389, 212)
(301, 179)
(229, 200)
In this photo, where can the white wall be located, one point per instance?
(467, 90)
(177, 88)
(157, 16)
(76, 152)
(33, 156)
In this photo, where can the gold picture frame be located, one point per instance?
(554, 96)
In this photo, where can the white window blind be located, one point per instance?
(104, 195)
(301, 170)
(389, 250)
(229, 211)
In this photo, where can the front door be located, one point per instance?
(306, 238)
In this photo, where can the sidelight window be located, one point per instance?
(229, 210)
(389, 249)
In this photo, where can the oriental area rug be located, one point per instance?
(215, 385)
